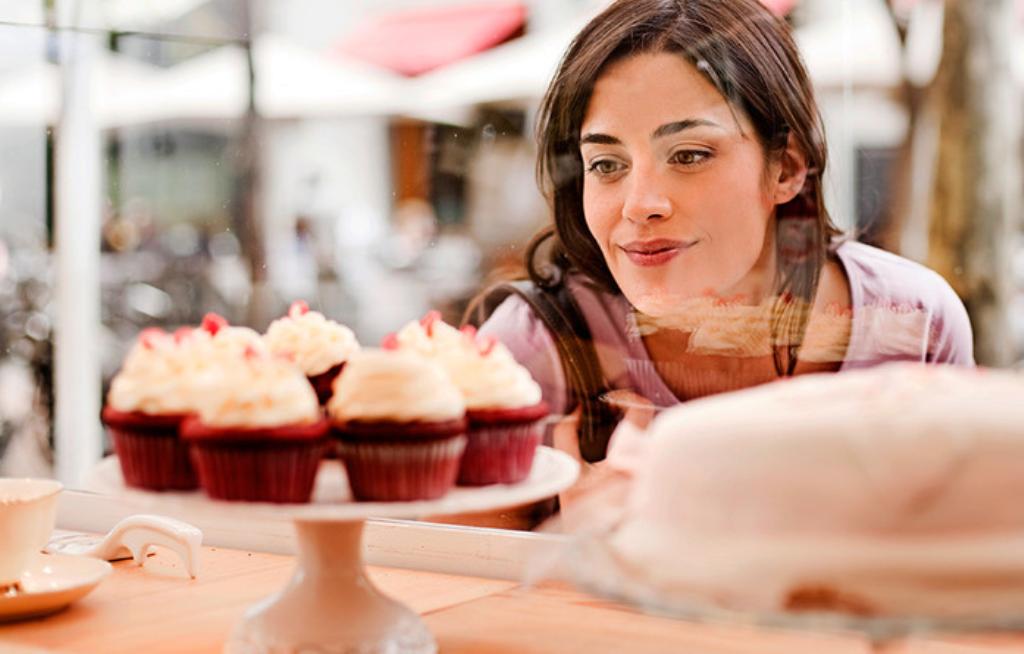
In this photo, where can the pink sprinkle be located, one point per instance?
(213, 323)
(427, 321)
(390, 342)
(486, 345)
(468, 330)
(298, 308)
(251, 353)
(182, 334)
(149, 337)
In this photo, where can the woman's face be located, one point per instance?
(675, 191)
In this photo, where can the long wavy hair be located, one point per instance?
(749, 55)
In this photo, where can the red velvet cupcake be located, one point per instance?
(149, 398)
(151, 454)
(259, 434)
(317, 346)
(400, 427)
(502, 444)
(503, 402)
(401, 461)
(258, 464)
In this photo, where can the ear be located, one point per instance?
(790, 173)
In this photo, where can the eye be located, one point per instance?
(604, 167)
(690, 157)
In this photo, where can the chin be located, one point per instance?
(659, 302)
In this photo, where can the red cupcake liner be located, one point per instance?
(151, 452)
(402, 471)
(502, 444)
(323, 383)
(276, 464)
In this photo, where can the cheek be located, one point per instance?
(741, 208)
(738, 232)
(600, 211)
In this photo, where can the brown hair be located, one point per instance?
(749, 55)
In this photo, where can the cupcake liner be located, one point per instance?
(396, 471)
(499, 455)
(277, 464)
(150, 451)
(502, 444)
(322, 383)
(277, 472)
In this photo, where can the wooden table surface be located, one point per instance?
(157, 609)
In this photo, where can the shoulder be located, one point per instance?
(517, 326)
(886, 281)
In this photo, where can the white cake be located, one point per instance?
(891, 491)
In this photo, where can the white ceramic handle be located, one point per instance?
(133, 537)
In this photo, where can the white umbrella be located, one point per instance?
(295, 82)
(208, 86)
(32, 95)
(291, 82)
(519, 70)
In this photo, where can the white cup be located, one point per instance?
(28, 511)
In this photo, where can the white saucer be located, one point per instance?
(52, 582)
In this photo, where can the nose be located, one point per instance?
(646, 199)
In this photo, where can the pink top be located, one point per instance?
(922, 319)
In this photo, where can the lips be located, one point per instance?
(655, 252)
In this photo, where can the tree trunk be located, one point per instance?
(977, 186)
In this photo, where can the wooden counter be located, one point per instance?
(157, 609)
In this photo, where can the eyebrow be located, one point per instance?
(665, 130)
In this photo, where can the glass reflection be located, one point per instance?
(254, 154)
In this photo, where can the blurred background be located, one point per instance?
(159, 160)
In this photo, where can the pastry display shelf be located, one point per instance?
(329, 605)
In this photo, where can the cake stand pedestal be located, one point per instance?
(330, 606)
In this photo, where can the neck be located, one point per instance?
(759, 282)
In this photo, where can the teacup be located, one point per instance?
(28, 511)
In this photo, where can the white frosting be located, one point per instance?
(314, 343)
(158, 375)
(380, 385)
(486, 374)
(835, 479)
(162, 374)
(257, 391)
(234, 341)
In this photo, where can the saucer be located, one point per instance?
(52, 582)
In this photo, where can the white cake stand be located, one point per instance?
(329, 605)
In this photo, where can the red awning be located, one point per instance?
(780, 7)
(415, 41)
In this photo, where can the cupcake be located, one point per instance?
(149, 398)
(227, 343)
(400, 424)
(503, 402)
(318, 346)
(259, 433)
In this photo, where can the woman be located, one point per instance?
(682, 152)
